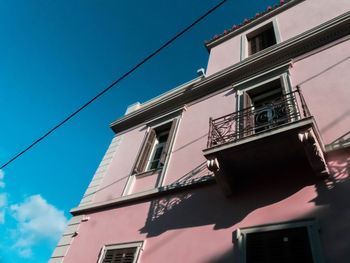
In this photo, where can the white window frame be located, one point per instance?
(283, 78)
(311, 225)
(138, 244)
(244, 37)
(154, 123)
(154, 148)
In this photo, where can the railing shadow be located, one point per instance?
(207, 205)
(341, 141)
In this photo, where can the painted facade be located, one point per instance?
(217, 183)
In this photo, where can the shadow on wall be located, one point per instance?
(341, 141)
(207, 205)
(333, 194)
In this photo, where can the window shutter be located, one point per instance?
(167, 145)
(248, 117)
(288, 245)
(145, 152)
(125, 255)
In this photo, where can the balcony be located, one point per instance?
(274, 135)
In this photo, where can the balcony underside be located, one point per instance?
(291, 144)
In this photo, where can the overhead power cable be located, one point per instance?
(114, 83)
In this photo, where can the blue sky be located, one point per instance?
(55, 56)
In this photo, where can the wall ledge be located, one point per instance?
(159, 191)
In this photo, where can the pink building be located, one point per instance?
(247, 163)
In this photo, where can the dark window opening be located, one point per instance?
(279, 246)
(155, 148)
(125, 255)
(261, 40)
(266, 108)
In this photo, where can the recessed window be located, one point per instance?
(156, 147)
(286, 245)
(265, 107)
(159, 144)
(120, 253)
(260, 39)
(276, 243)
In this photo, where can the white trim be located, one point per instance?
(261, 83)
(131, 179)
(283, 68)
(251, 24)
(244, 49)
(306, 122)
(142, 195)
(101, 171)
(154, 125)
(282, 53)
(162, 175)
(156, 145)
(276, 30)
(244, 38)
(137, 244)
(311, 225)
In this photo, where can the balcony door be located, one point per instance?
(264, 108)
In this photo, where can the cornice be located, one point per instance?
(271, 57)
(143, 196)
(145, 113)
(252, 23)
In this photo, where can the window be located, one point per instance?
(156, 147)
(260, 39)
(265, 107)
(120, 253)
(277, 243)
(158, 150)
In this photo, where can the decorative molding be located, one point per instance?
(313, 152)
(100, 172)
(244, 38)
(213, 165)
(150, 109)
(179, 186)
(252, 24)
(268, 58)
(70, 232)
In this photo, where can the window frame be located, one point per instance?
(283, 78)
(311, 225)
(138, 244)
(255, 83)
(255, 31)
(157, 145)
(153, 124)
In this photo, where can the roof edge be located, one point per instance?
(250, 23)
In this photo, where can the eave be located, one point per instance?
(250, 23)
(273, 56)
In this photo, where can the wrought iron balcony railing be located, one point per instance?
(288, 108)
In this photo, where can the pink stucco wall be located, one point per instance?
(197, 226)
(324, 79)
(146, 182)
(294, 21)
(186, 159)
(120, 168)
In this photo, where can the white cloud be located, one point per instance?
(36, 220)
(2, 174)
(25, 253)
(3, 204)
